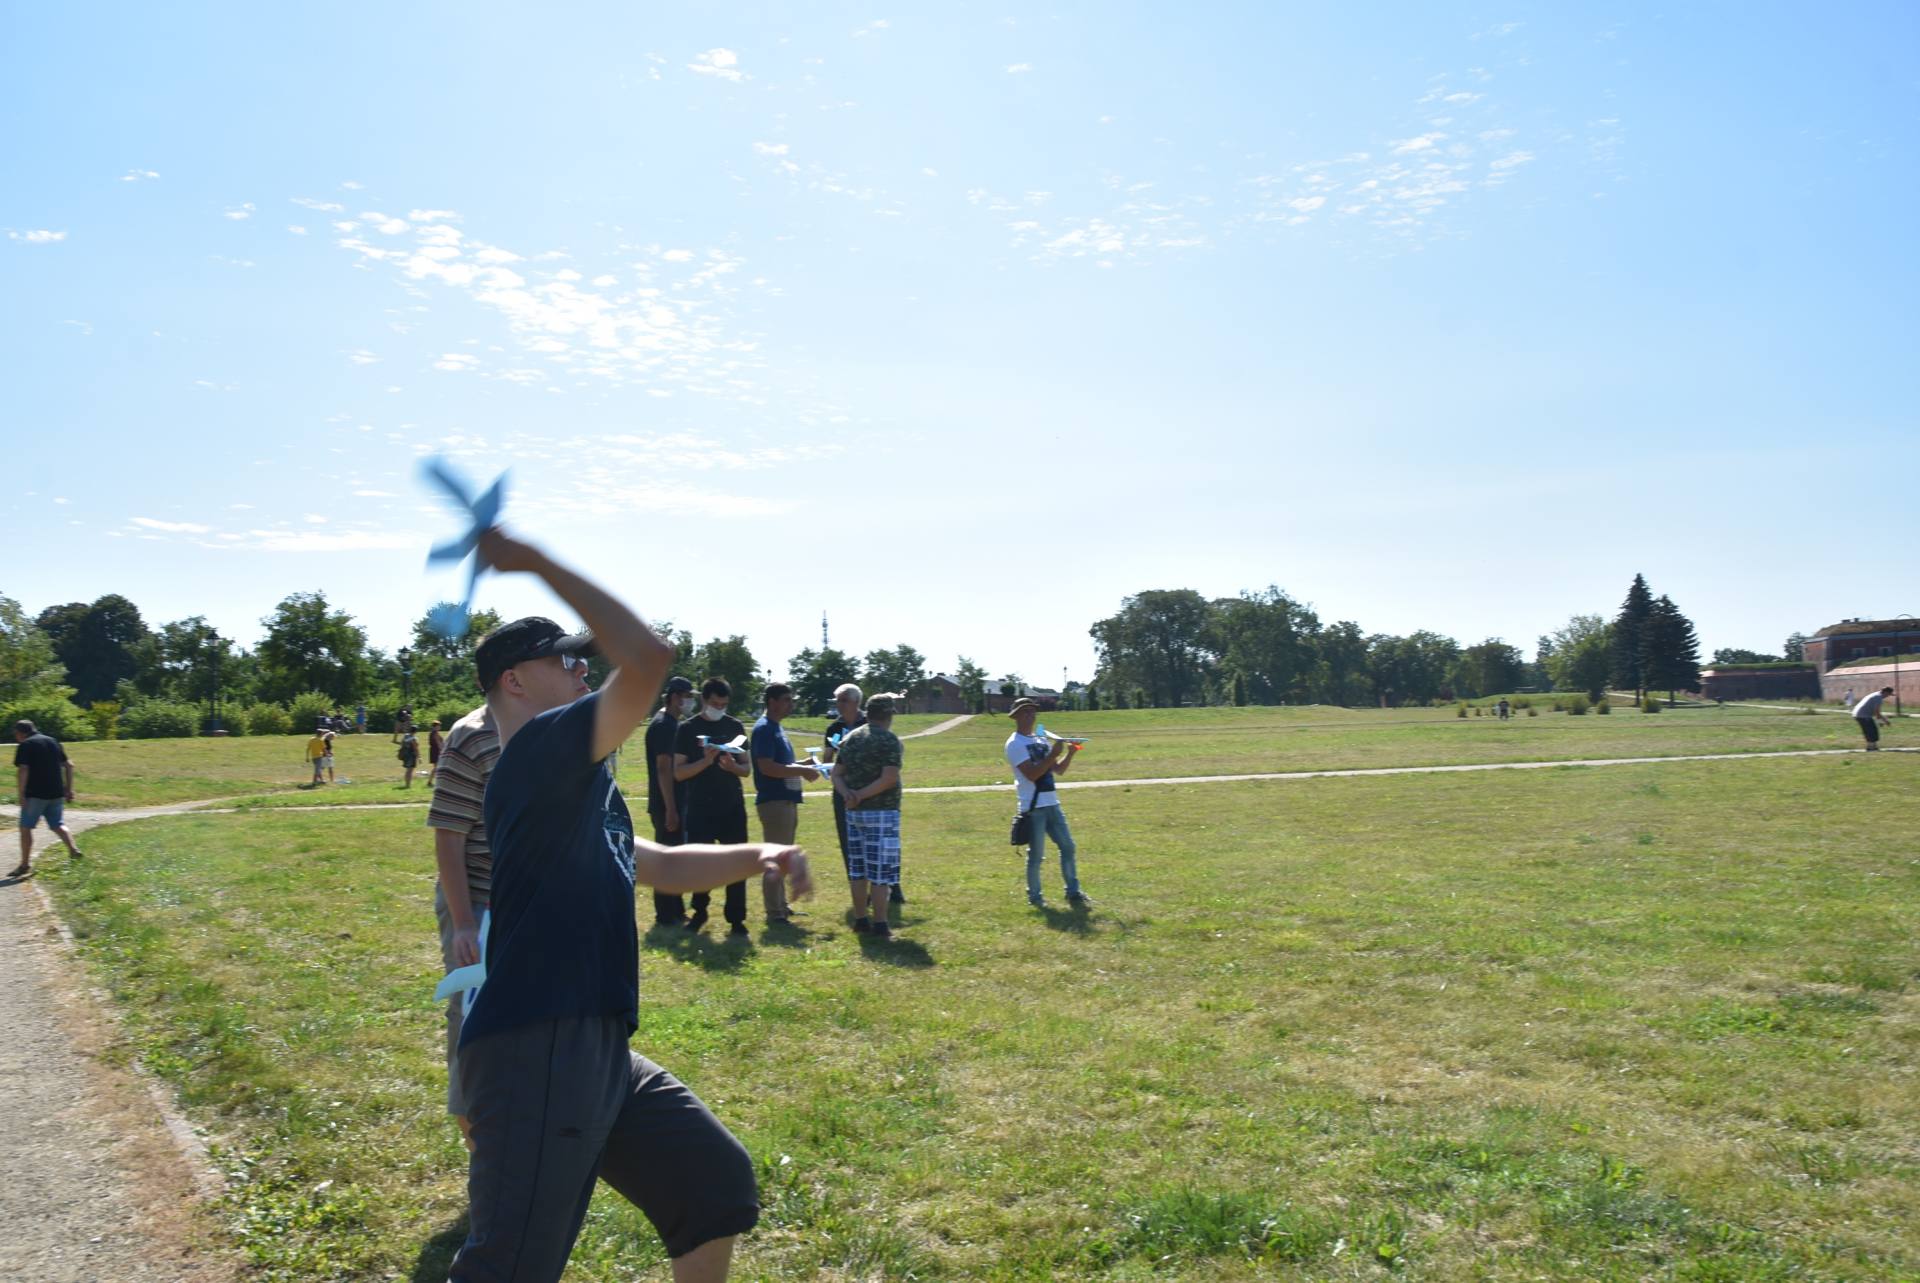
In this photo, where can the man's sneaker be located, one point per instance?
(883, 930)
(21, 871)
(739, 929)
(862, 926)
(1081, 901)
(899, 896)
(698, 920)
(1032, 903)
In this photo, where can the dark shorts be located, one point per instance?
(706, 827)
(558, 1104)
(1869, 728)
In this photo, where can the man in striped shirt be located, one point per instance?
(465, 861)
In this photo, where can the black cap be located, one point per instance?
(531, 638)
(679, 686)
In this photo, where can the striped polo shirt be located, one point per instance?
(459, 791)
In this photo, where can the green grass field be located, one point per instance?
(269, 772)
(1591, 1023)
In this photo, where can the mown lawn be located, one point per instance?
(1593, 1023)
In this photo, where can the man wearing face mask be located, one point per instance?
(714, 807)
(663, 801)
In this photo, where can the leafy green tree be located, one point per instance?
(311, 647)
(1582, 656)
(1490, 668)
(899, 669)
(973, 684)
(730, 658)
(1795, 648)
(1340, 665)
(427, 642)
(97, 643)
(1265, 640)
(814, 674)
(1627, 656)
(28, 664)
(1670, 649)
(1158, 641)
(1411, 669)
(1736, 655)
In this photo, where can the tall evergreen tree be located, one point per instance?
(1627, 658)
(1670, 649)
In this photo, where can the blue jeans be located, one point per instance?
(1051, 822)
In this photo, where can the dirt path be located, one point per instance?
(94, 1186)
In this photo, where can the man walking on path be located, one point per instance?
(317, 752)
(715, 809)
(1035, 762)
(1867, 713)
(776, 791)
(44, 786)
(866, 775)
(555, 1096)
(465, 863)
(663, 792)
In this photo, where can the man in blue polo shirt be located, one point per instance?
(554, 1096)
(776, 791)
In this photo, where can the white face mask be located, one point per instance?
(713, 714)
(687, 704)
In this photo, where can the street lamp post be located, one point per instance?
(405, 657)
(213, 640)
(1898, 633)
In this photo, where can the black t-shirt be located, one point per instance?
(712, 790)
(42, 755)
(561, 941)
(661, 732)
(840, 726)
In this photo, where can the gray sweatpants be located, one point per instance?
(555, 1105)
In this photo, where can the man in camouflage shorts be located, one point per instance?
(866, 776)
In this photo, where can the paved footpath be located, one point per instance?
(94, 1187)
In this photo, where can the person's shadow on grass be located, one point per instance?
(894, 951)
(728, 953)
(1077, 920)
(436, 1254)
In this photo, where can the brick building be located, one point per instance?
(1888, 640)
(1801, 682)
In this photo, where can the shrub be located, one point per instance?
(155, 719)
(269, 719)
(307, 710)
(1576, 705)
(1650, 705)
(1603, 707)
(1521, 701)
(1531, 712)
(1459, 712)
(54, 714)
(105, 717)
(233, 719)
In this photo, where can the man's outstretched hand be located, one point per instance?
(792, 862)
(508, 555)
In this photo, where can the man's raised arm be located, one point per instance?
(637, 655)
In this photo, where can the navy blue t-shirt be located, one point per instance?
(769, 740)
(562, 940)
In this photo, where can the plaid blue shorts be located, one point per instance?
(873, 847)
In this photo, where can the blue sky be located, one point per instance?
(962, 322)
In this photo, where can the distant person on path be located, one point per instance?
(360, 719)
(435, 743)
(777, 782)
(317, 751)
(554, 1093)
(1847, 697)
(663, 789)
(1867, 713)
(409, 753)
(1035, 762)
(1505, 708)
(866, 775)
(44, 785)
(326, 758)
(464, 862)
(715, 807)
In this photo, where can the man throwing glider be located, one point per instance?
(553, 1094)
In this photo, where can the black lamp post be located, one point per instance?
(213, 700)
(1898, 633)
(405, 657)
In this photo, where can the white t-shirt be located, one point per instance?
(1869, 706)
(1030, 748)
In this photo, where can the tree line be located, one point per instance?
(1168, 647)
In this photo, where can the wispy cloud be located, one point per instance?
(360, 356)
(36, 236)
(1019, 68)
(241, 212)
(138, 176)
(324, 206)
(171, 527)
(722, 63)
